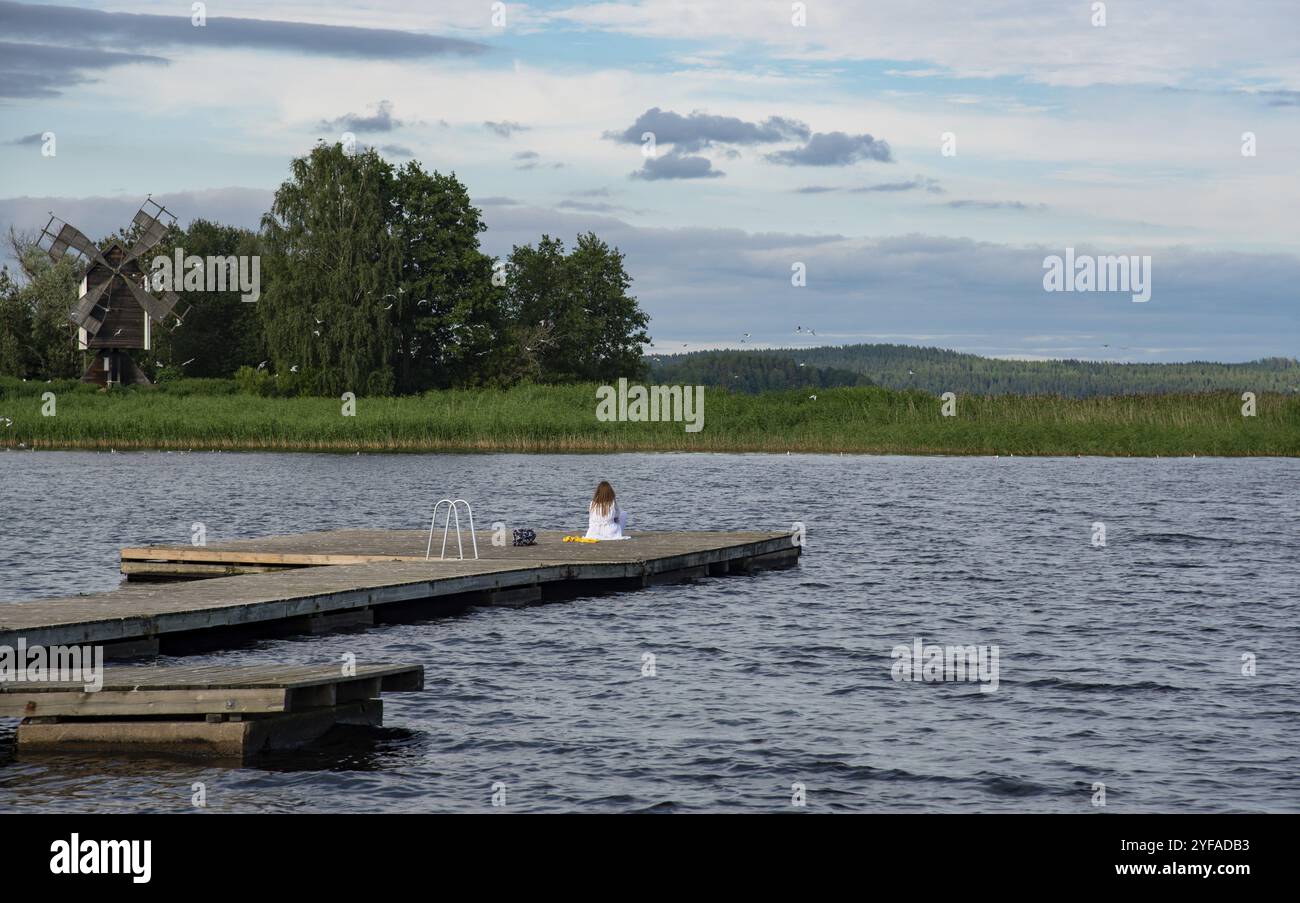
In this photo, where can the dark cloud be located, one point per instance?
(833, 149)
(27, 140)
(917, 184)
(49, 49)
(590, 207)
(81, 28)
(676, 166)
(700, 130)
(397, 150)
(920, 183)
(533, 160)
(39, 70)
(497, 201)
(1282, 98)
(994, 205)
(504, 128)
(380, 121)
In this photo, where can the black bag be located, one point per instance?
(525, 538)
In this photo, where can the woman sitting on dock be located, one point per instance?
(605, 520)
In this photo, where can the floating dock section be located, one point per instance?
(210, 712)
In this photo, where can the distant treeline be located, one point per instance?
(749, 371)
(373, 282)
(935, 370)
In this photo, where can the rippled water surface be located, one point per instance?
(1121, 665)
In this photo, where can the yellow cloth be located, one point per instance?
(579, 539)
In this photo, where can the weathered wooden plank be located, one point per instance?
(218, 556)
(137, 703)
(219, 677)
(192, 570)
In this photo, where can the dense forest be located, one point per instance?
(936, 370)
(372, 281)
(749, 371)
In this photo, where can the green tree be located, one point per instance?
(15, 329)
(572, 317)
(612, 324)
(537, 297)
(38, 340)
(329, 259)
(220, 332)
(446, 314)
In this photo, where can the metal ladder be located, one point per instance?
(452, 510)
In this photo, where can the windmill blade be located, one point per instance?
(152, 226)
(57, 242)
(158, 308)
(84, 313)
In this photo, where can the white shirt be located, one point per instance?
(609, 525)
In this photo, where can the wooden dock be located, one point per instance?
(350, 578)
(208, 711)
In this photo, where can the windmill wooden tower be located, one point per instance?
(115, 312)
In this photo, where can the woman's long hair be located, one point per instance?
(603, 500)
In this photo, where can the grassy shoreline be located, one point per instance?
(208, 415)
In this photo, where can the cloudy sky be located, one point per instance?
(775, 144)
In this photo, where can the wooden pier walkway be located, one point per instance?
(321, 581)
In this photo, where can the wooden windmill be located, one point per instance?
(115, 312)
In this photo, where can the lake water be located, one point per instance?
(1119, 664)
